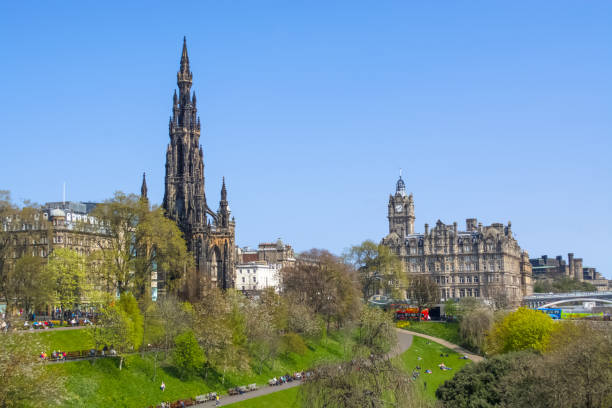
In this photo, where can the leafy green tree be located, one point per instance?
(293, 343)
(485, 384)
(187, 356)
(378, 269)
(524, 329)
(376, 332)
(119, 327)
(67, 269)
(450, 309)
(217, 329)
(24, 380)
(263, 338)
(138, 240)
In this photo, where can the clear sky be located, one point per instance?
(495, 111)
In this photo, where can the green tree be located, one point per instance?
(450, 309)
(524, 329)
(24, 381)
(137, 241)
(67, 269)
(119, 327)
(217, 329)
(378, 269)
(187, 356)
(485, 384)
(368, 379)
(474, 326)
(13, 286)
(28, 283)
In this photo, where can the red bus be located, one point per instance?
(411, 313)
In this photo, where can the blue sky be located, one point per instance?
(495, 111)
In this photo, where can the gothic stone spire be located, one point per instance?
(184, 199)
(143, 188)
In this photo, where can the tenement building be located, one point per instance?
(56, 225)
(480, 261)
(210, 235)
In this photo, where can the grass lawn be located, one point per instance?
(429, 352)
(101, 384)
(64, 340)
(430, 358)
(281, 399)
(443, 330)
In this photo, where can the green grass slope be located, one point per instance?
(429, 353)
(64, 340)
(99, 383)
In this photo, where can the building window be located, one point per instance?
(476, 292)
(476, 279)
(243, 281)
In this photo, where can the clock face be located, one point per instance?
(398, 208)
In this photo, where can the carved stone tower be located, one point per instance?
(184, 198)
(401, 211)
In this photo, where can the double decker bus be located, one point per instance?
(411, 313)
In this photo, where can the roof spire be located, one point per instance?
(223, 191)
(143, 188)
(184, 56)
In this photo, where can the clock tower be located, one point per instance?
(401, 211)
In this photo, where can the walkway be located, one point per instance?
(404, 341)
(474, 357)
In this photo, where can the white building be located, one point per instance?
(258, 275)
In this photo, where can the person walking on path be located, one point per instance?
(162, 386)
(217, 401)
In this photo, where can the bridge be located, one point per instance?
(540, 300)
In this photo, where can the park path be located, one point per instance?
(474, 357)
(404, 341)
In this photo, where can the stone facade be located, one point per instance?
(213, 244)
(268, 252)
(549, 268)
(481, 261)
(252, 277)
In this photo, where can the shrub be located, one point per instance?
(524, 329)
(402, 324)
(188, 356)
(292, 342)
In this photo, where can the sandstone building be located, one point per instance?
(213, 244)
(480, 261)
